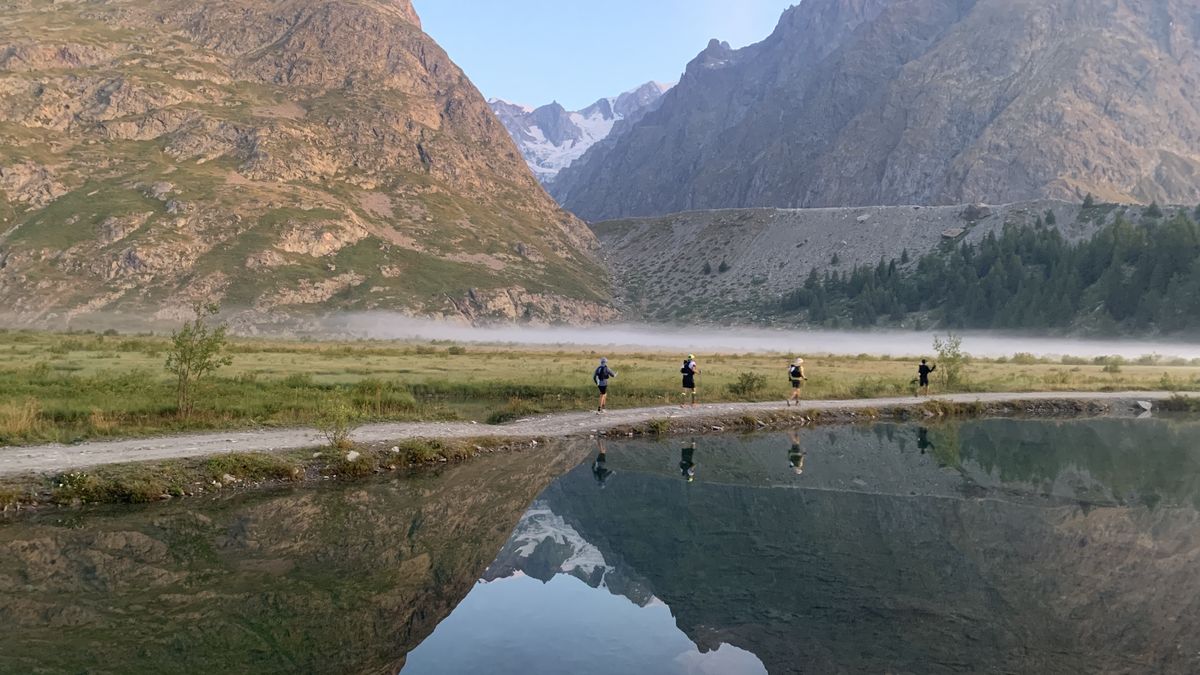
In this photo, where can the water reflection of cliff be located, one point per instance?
(885, 559)
(336, 579)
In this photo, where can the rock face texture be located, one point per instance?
(885, 102)
(279, 156)
(552, 138)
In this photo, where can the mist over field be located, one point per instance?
(738, 340)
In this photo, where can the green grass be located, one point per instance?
(67, 388)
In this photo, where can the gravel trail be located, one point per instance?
(50, 458)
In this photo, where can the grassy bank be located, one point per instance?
(68, 388)
(146, 482)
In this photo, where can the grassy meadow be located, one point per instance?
(74, 387)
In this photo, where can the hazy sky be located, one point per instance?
(572, 51)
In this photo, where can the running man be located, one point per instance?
(796, 375)
(690, 370)
(923, 377)
(600, 468)
(687, 462)
(601, 376)
(795, 454)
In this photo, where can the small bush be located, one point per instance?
(456, 350)
(1181, 403)
(514, 410)
(21, 420)
(335, 421)
(1025, 359)
(1074, 361)
(251, 466)
(748, 385)
(659, 427)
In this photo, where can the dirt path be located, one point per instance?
(49, 458)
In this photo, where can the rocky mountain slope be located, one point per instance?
(887, 102)
(283, 157)
(551, 138)
(735, 265)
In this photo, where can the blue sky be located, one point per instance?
(537, 51)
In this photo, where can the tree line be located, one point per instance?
(1128, 278)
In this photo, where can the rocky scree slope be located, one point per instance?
(551, 138)
(870, 102)
(735, 265)
(283, 157)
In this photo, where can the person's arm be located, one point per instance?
(933, 369)
(802, 375)
(612, 374)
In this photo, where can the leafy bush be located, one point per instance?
(335, 421)
(748, 385)
(951, 361)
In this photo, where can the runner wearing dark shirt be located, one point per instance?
(923, 372)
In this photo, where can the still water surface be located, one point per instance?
(985, 546)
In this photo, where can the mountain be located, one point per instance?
(552, 138)
(283, 157)
(888, 102)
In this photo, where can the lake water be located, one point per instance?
(999, 546)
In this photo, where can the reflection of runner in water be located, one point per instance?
(600, 467)
(795, 454)
(923, 441)
(687, 464)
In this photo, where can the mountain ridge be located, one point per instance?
(284, 158)
(889, 102)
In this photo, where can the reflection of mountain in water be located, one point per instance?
(889, 560)
(338, 579)
(544, 545)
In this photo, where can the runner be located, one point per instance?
(795, 454)
(687, 462)
(796, 375)
(601, 376)
(600, 468)
(690, 370)
(923, 377)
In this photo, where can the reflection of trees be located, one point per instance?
(1146, 461)
(343, 578)
(851, 581)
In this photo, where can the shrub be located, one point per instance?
(21, 420)
(951, 361)
(748, 385)
(659, 427)
(1024, 359)
(335, 420)
(456, 350)
(514, 410)
(196, 352)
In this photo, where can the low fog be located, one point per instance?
(739, 340)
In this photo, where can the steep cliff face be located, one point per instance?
(883, 102)
(287, 156)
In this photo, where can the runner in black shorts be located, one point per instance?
(923, 377)
(690, 370)
(601, 376)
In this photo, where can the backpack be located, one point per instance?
(687, 368)
(794, 372)
(601, 374)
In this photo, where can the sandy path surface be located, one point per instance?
(49, 458)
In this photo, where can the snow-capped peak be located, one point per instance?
(552, 138)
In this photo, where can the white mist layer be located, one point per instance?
(741, 340)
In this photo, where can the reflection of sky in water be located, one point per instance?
(565, 626)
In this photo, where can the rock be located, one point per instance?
(396, 449)
(229, 478)
(953, 233)
(353, 456)
(863, 218)
(1145, 406)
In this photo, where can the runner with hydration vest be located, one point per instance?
(601, 376)
(798, 378)
(689, 370)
